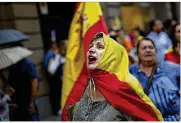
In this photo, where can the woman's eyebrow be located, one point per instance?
(100, 42)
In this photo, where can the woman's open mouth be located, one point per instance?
(92, 60)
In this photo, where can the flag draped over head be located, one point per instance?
(119, 87)
(87, 21)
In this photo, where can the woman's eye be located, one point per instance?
(143, 48)
(101, 47)
(151, 47)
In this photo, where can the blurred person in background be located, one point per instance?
(112, 34)
(160, 38)
(122, 38)
(63, 47)
(59, 59)
(168, 24)
(160, 88)
(5, 98)
(49, 54)
(131, 60)
(24, 79)
(138, 34)
(174, 55)
(172, 70)
(114, 31)
(55, 71)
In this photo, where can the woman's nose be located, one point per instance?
(148, 49)
(92, 50)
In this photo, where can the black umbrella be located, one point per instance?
(11, 36)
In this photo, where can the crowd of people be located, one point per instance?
(155, 61)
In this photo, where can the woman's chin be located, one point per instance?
(91, 68)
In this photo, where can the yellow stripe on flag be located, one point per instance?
(92, 13)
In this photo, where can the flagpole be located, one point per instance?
(81, 30)
(82, 23)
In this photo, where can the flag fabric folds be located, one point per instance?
(87, 21)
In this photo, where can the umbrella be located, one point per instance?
(11, 36)
(10, 56)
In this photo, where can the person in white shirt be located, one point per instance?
(160, 38)
(55, 69)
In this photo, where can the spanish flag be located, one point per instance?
(87, 21)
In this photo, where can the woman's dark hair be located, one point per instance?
(52, 43)
(97, 36)
(139, 31)
(151, 24)
(168, 23)
(110, 30)
(173, 30)
(61, 43)
(144, 39)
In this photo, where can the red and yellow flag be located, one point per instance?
(87, 21)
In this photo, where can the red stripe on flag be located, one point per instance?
(100, 26)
